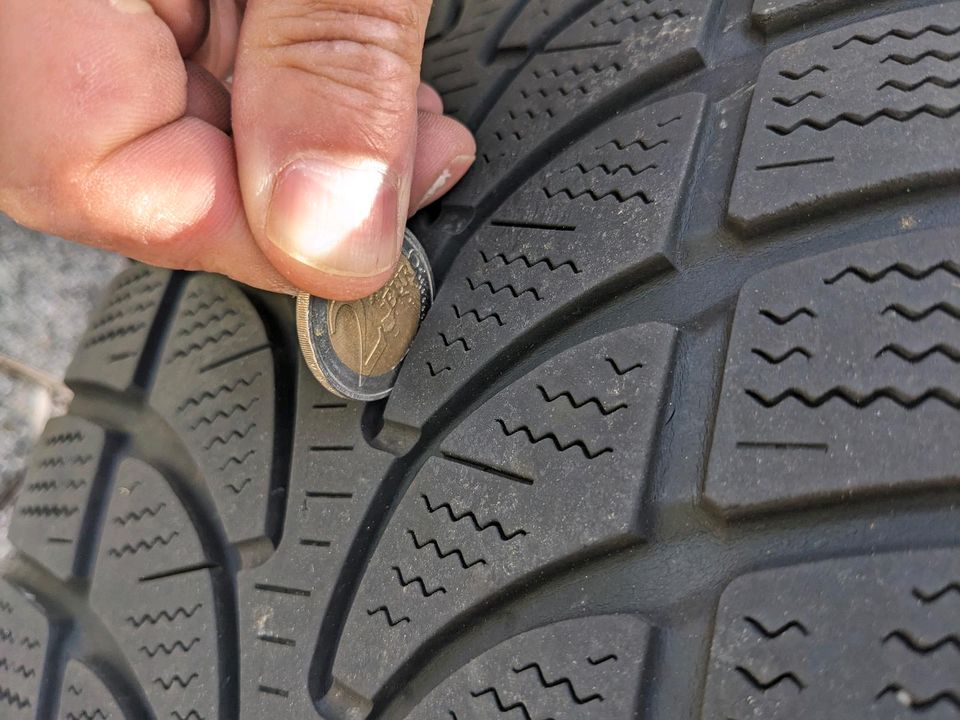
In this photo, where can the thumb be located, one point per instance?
(325, 122)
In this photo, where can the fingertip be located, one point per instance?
(187, 20)
(429, 99)
(446, 150)
(321, 284)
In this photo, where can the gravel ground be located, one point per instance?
(48, 288)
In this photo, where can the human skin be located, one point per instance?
(117, 130)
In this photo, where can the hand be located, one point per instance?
(115, 122)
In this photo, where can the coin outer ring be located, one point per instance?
(319, 354)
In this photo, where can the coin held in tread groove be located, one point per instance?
(355, 348)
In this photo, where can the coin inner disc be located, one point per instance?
(371, 335)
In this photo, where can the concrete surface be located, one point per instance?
(48, 288)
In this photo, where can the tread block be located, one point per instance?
(24, 640)
(444, 15)
(604, 23)
(111, 351)
(539, 20)
(869, 110)
(841, 378)
(48, 522)
(852, 638)
(492, 510)
(83, 696)
(604, 52)
(453, 66)
(602, 212)
(215, 386)
(284, 602)
(147, 530)
(153, 588)
(774, 15)
(588, 665)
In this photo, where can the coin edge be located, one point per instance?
(306, 346)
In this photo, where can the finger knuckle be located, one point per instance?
(392, 25)
(369, 48)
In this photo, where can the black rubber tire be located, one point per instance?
(678, 439)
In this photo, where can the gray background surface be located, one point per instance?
(48, 288)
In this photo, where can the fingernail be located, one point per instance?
(338, 219)
(457, 167)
